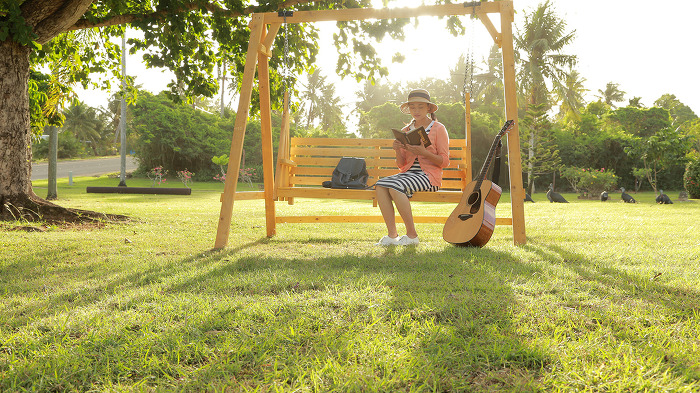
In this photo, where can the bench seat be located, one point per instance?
(451, 196)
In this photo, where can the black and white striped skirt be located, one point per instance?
(408, 182)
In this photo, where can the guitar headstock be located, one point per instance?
(506, 127)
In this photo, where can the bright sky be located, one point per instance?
(647, 47)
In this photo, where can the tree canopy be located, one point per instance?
(72, 40)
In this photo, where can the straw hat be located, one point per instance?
(418, 95)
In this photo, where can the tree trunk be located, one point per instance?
(530, 163)
(17, 199)
(15, 142)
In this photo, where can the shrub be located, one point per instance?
(592, 181)
(175, 136)
(68, 147)
(691, 177)
(573, 175)
(596, 181)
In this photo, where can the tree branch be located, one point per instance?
(50, 18)
(212, 8)
(36, 11)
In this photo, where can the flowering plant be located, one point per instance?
(221, 161)
(592, 181)
(246, 175)
(185, 177)
(596, 181)
(573, 175)
(157, 174)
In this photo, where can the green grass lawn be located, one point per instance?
(604, 297)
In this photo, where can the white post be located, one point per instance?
(122, 121)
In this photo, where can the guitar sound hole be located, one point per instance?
(475, 208)
(474, 202)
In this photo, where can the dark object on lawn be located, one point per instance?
(663, 199)
(28, 228)
(140, 190)
(603, 196)
(528, 198)
(555, 196)
(626, 197)
(683, 196)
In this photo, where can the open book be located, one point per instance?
(415, 136)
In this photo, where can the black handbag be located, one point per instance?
(351, 172)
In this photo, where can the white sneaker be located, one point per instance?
(407, 241)
(388, 241)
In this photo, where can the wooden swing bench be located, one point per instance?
(305, 163)
(312, 160)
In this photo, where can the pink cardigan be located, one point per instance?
(439, 145)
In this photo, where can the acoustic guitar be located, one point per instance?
(472, 222)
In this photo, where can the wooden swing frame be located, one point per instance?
(263, 30)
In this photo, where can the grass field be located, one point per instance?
(604, 297)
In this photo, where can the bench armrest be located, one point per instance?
(286, 162)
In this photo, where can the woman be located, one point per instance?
(420, 168)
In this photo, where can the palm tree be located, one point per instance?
(635, 102)
(375, 94)
(312, 96)
(330, 107)
(488, 85)
(611, 94)
(540, 45)
(459, 80)
(539, 48)
(83, 121)
(570, 95)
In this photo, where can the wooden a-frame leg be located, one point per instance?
(517, 192)
(227, 198)
(266, 138)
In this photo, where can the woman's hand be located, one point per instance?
(418, 149)
(424, 152)
(398, 145)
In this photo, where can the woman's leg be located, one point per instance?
(403, 205)
(387, 209)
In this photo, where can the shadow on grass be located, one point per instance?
(31, 274)
(407, 319)
(631, 306)
(400, 320)
(620, 285)
(440, 319)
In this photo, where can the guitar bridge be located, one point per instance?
(465, 217)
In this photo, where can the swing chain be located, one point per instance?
(466, 75)
(469, 61)
(285, 62)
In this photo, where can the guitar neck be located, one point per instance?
(489, 157)
(487, 162)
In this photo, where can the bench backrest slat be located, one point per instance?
(315, 159)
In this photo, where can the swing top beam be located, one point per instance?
(481, 9)
(259, 51)
(385, 13)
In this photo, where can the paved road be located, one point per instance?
(97, 166)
